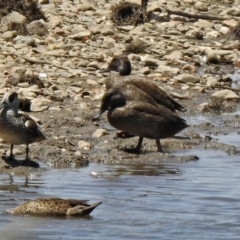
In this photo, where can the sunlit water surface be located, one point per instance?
(195, 200)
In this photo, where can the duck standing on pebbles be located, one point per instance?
(17, 128)
(53, 207)
(140, 118)
(135, 87)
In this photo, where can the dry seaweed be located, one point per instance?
(127, 13)
(235, 33)
(21, 29)
(29, 9)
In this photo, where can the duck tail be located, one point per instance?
(88, 210)
(179, 107)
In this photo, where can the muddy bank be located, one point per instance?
(57, 71)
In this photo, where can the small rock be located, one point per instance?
(174, 55)
(231, 23)
(84, 145)
(168, 69)
(14, 18)
(39, 104)
(83, 105)
(78, 154)
(151, 62)
(79, 120)
(211, 81)
(24, 40)
(99, 133)
(37, 27)
(203, 107)
(224, 30)
(107, 31)
(189, 68)
(145, 70)
(212, 57)
(225, 95)
(80, 35)
(213, 34)
(91, 82)
(188, 78)
(43, 1)
(9, 35)
(85, 7)
(203, 23)
(60, 94)
(200, 6)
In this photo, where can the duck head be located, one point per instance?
(119, 64)
(113, 98)
(10, 99)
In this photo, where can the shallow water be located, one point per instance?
(194, 200)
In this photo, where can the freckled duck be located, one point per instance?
(140, 118)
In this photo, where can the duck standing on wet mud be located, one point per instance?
(17, 128)
(139, 89)
(140, 118)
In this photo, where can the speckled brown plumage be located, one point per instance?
(136, 87)
(53, 207)
(141, 89)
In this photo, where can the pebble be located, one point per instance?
(187, 78)
(84, 145)
(225, 95)
(99, 133)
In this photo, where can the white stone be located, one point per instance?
(211, 81)
(188, 78)
(99, 133)
(84, 145)
(225, 95)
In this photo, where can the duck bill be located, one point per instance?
(98, 115)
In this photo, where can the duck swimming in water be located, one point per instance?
(53, 207)
(140, 118)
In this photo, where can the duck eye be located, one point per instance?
(11, 97)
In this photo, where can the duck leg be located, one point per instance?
(135, 149)
(27, 162)
(159, 147)
(27, 152)
(11, 157)
(138, 147)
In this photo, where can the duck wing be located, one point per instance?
(31, 125)
(160, 96)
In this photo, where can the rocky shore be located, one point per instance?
(54, 66)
